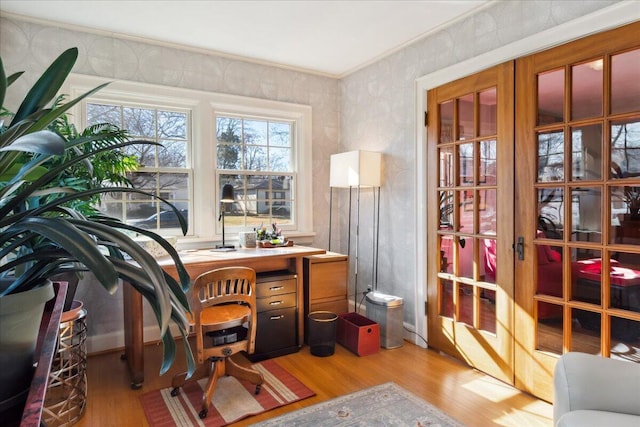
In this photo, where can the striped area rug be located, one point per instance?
(232, 399)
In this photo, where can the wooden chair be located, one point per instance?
(223, 299)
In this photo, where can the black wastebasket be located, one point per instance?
(322, 332)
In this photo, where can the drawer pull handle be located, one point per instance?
(275, 303)
(277, 317)
(276, 288)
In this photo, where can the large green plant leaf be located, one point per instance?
(48, 85)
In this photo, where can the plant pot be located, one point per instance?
(20, 317)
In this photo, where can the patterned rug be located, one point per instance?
(232, 399)
(383, 405)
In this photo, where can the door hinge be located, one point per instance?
(426, 118)
(426, 307)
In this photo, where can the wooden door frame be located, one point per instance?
(604, 19)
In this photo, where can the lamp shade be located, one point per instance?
(227, 194)
(356, 169)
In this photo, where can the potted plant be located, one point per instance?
(42, 234)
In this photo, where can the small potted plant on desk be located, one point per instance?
(42, 234)
(266, 238)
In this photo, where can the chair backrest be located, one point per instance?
(228, 285)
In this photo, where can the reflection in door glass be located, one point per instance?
(625, 214)
(586, 214)
(551, 97)
(465, 117)
(550, 272)
(587, 279)
(586, 152)
(446, 298)
(446, 254)
(585, 336)
(625, 84)
(488, 163)
(466, 259)
(487, 208)
(446, 166)
(549, 330)
(465, 163)
(488, 122)
(489, 258)
(488, 310)
(446, 122)
(550, 212)
(465, 304)
(551, 156)
(625, 149)
(586, 90)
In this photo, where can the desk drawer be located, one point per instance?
(276, 333)
(276, 302)
(267, 286)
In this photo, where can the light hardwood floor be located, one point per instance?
(466, 394)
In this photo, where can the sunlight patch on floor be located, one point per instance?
(491, 389)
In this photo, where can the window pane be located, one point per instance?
(172, 154)
(446, 254)
(489, 259)
(465, 117)
(465, 304)
(625, 84)
(446, 209)
(549, 330)
(551, 97)
(446, 295)
(255, 158)
(280, 159)
(254, 132)
(174, 186)
(551, 156)
(488, 121)
(585, 333)
(102, 113)
(550, 272)
(279, 134)
(172, 125)
(586, 152)
(466, 259)
(487, 208)
(140, 122)
(586, 90)
(488, 310)
(587, 282)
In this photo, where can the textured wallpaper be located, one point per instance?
(371, 109)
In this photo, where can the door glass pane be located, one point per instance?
(586, 214)
(488, 163)
(465, 165)
(625, 214)
(625, 148)
(446, 122)
(587, 279)
(625, 339)
(585, 328)
(487, 209)
(466, 202)
(446, 298)
(551, 156)
(489, 258)
(466, 260)
(465, 304)
(465, 117)
(625, 84)
(551, 97)
(446, 210)
(488, 122)
(550, 212)
(446, 166)
(488, 310)
(586, 152)
(550, 271)
(586, 90)
(446, 254)
(549, 330)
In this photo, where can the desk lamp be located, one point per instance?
(227, 197)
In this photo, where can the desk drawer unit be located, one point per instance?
(276, 300)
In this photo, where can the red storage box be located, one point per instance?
(358, 334)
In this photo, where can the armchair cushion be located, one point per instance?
(585, 384)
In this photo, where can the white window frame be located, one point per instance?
(205, 205)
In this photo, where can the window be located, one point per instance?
(255, 155)
(164, 168)
(262, 147)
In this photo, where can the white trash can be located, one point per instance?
(387, 311)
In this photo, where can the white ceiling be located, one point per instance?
(327, 37)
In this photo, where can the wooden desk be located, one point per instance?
(196, 263)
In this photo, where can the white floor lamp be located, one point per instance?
(356, 170)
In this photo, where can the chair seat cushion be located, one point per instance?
(225, 316)
(588, 418)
